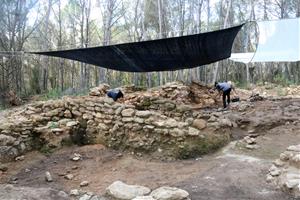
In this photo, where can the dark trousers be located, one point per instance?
(226, 93)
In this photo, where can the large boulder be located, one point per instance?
(9, 192)
(122, 191)
(169, 193)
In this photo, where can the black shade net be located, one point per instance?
(157, 55)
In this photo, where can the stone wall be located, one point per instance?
(285, 172)
(165, 129)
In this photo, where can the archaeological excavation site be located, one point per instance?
(150, 100)
(170, 142)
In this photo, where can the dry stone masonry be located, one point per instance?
(162, 125)
(285, 171)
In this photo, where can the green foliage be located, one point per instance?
(193, 148)
(242, 84)
(281, 91)
(67, 142)
(2, 107)
(52, 94)
(281, 80)
(53, 125)
(57, 93)
(46, 150)
(269, 86)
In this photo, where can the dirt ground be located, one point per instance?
(232, 173)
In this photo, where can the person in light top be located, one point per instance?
(225, 89)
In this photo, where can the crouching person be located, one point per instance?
(115, 94)
(224, 89)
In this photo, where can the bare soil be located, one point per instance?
(232, 173)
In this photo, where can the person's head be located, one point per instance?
(216, 83)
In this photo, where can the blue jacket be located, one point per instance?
(223, 86)
(115, 94)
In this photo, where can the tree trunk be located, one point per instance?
(229, 5)
(45, 59)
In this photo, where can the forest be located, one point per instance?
(32, 25)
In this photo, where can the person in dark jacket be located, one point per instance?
(115, 94)
(224, 88)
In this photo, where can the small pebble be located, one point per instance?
(48, 177)
(69, 176)
(74, 167)
(74, 192)
(84, 183)
(20, 158)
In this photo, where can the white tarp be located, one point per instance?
(279, 41)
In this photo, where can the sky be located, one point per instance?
(95, 11)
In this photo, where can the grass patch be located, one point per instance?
(53, 125)
(281, 91)
(57, 93)
(46, 150)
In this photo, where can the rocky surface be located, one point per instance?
(285, 171)
(9, 192)
(164, 124)
(195, 94)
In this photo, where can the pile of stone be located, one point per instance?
(121, 191)
(171, 91)
(100, 90)
(195, 94)
(250, 141)
(256, 97)
(293, 90)
(168, 126)
(285, 172)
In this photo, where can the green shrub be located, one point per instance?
(281, 92)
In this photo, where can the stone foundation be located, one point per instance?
(285, 172)
(166, 129)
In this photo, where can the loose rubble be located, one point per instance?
(248, 142)
(285, 172)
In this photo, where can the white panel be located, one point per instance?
(278, 42)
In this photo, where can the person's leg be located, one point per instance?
(224, 99)
(228, 96)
